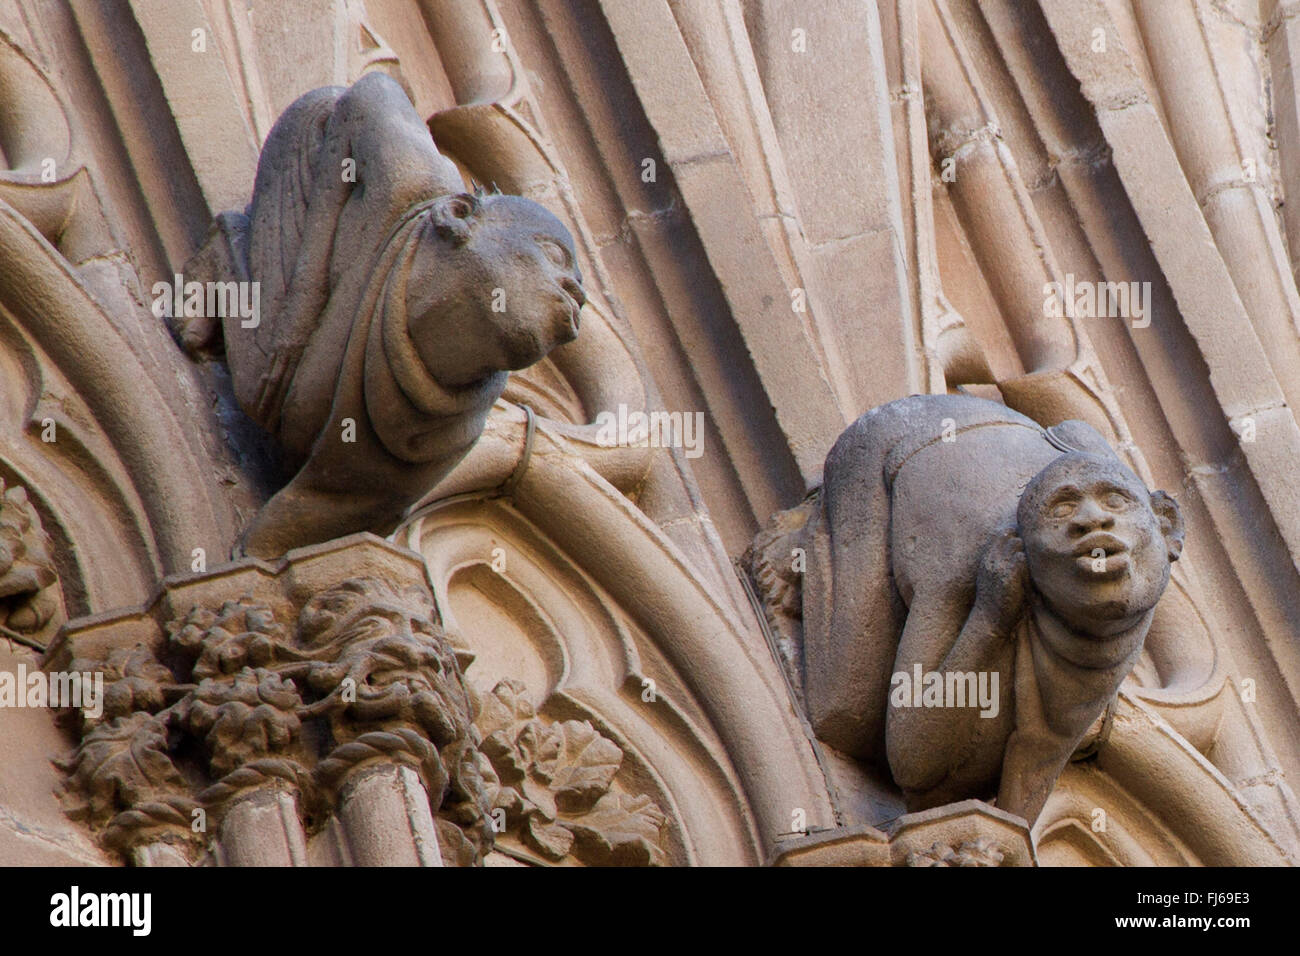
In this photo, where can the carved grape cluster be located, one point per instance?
(240, 634)
(250, 716)
(365, 663)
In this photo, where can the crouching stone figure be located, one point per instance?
(392, 306)
(958, 542)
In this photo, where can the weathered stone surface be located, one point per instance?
(393, 304)
(967, 833)
(31, 606)
(315, 712)
(266, 712)
(960, 546)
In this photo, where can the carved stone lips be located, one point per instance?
(1113, 562)
(575, 309)
(1100, 539)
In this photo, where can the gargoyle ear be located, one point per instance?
(1171, 522)
(453, 214)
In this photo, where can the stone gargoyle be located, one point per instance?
(392, 305)
(955, 537)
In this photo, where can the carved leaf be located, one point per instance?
(26, 568)
(134, 680)
(555, 779)
(621, 830)
(549, 839)
(504, 709)
(241, 634)
(251, 716)
(510, 765)
(120, 764)
(579, 764)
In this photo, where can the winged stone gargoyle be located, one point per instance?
(392, 305)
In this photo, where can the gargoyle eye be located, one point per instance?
(1116, 501)
(1062, 509)
(554, 251)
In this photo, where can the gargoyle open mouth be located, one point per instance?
(1102, 555)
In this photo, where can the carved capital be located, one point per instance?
(966, 833)
(978, 852)
(309, 677)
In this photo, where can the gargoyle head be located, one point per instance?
(494, 287)
(1097, 542)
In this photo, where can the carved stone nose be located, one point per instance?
(1090, 517)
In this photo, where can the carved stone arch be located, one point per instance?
(1182, 650)
(1145, 768)
(1124, 833)
(94, 430)
(44, 171)
(1068, 843)
(96, 435)
(36, 142)
(119, 440)
(518, 606)
(1070, 840)
(1189, 687)
(731, 690)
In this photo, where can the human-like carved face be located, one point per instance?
(497, 289)
(1097, 543)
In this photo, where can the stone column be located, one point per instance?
(385, 813)
(382, 781)
(159, 854)
(260, 826)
